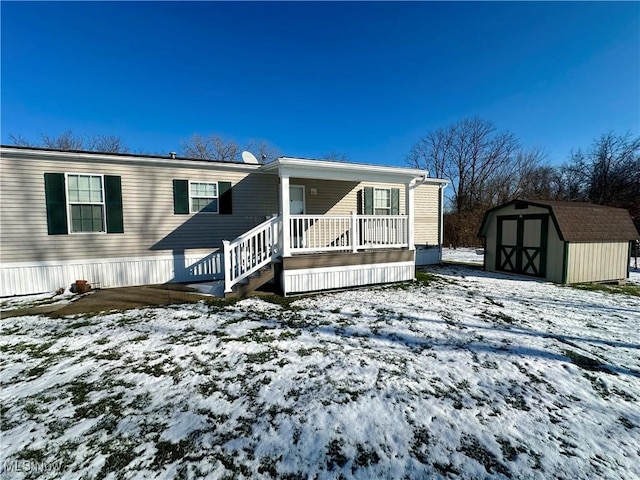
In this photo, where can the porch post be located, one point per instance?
(409, 187)
(354, 237)
(227, 266)
(284, 205)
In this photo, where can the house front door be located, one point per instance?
(296, 199)
(297, 207)
(521, 245)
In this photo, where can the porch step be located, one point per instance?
(254, 282)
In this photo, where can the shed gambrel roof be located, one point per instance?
(580, 222)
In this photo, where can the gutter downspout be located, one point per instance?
(441, 214)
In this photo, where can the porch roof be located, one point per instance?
(358, 172)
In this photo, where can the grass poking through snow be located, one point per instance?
(460, 374)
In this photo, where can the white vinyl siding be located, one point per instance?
(151, 233)
(85, 203)
(341, 198)
(147, 196)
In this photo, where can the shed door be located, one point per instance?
(522, 244)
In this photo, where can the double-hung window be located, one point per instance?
(85, 194)
(191, 197)
(203, 197)
(379, 201)
(83, 203)
(382, 201)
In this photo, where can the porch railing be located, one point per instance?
(310, 233)
(323, 233)
(250, 252)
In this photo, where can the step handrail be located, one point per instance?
(250, 252)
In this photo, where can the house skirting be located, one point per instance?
(428, 255)
(40, 277)
(310, 273)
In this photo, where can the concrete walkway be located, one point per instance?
(109, 299)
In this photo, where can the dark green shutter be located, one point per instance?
(224, 198)
(395, 201)
(113, 203)
(55, 197)
(368, 201)
(180, 197)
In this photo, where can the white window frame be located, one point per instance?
(70, 203)
(191, 197)
(375, 207)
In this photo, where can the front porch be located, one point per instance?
(321, 251)
(356, 248)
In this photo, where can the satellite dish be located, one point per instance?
(248, 157)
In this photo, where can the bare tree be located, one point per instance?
(527, 178)
(472, 154)
(216, 147)
(608, 173)
(106, 143)
(263, 150)
(335, 156)
(478, 160)
(70, 141)
(211, 147)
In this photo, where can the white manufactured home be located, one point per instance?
(122, 220)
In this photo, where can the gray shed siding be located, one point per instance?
(598, 261)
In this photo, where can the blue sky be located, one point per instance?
(367, 79)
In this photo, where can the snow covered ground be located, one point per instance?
(464, 374)
(465, 255)
(25, 301)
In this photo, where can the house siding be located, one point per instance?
(555, 255)
(427, 216)
(150, 226)
(597, 262)
(157, 245)
(341, 198)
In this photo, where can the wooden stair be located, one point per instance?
(253, 282)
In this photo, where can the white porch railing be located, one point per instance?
(250, 252)
(324, 233)
(310, 233)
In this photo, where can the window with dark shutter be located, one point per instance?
(225, 199)
(368, 201)
(395, 201)
(55, 197)
(181, 197)
(113, 204)
(380, 201)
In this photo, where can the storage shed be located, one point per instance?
(563, 242)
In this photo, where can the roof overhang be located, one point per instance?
(350, 172)
(27, 153)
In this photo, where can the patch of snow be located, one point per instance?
(476, 375)
(24, 301)
(215, 288)
(463, 255)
